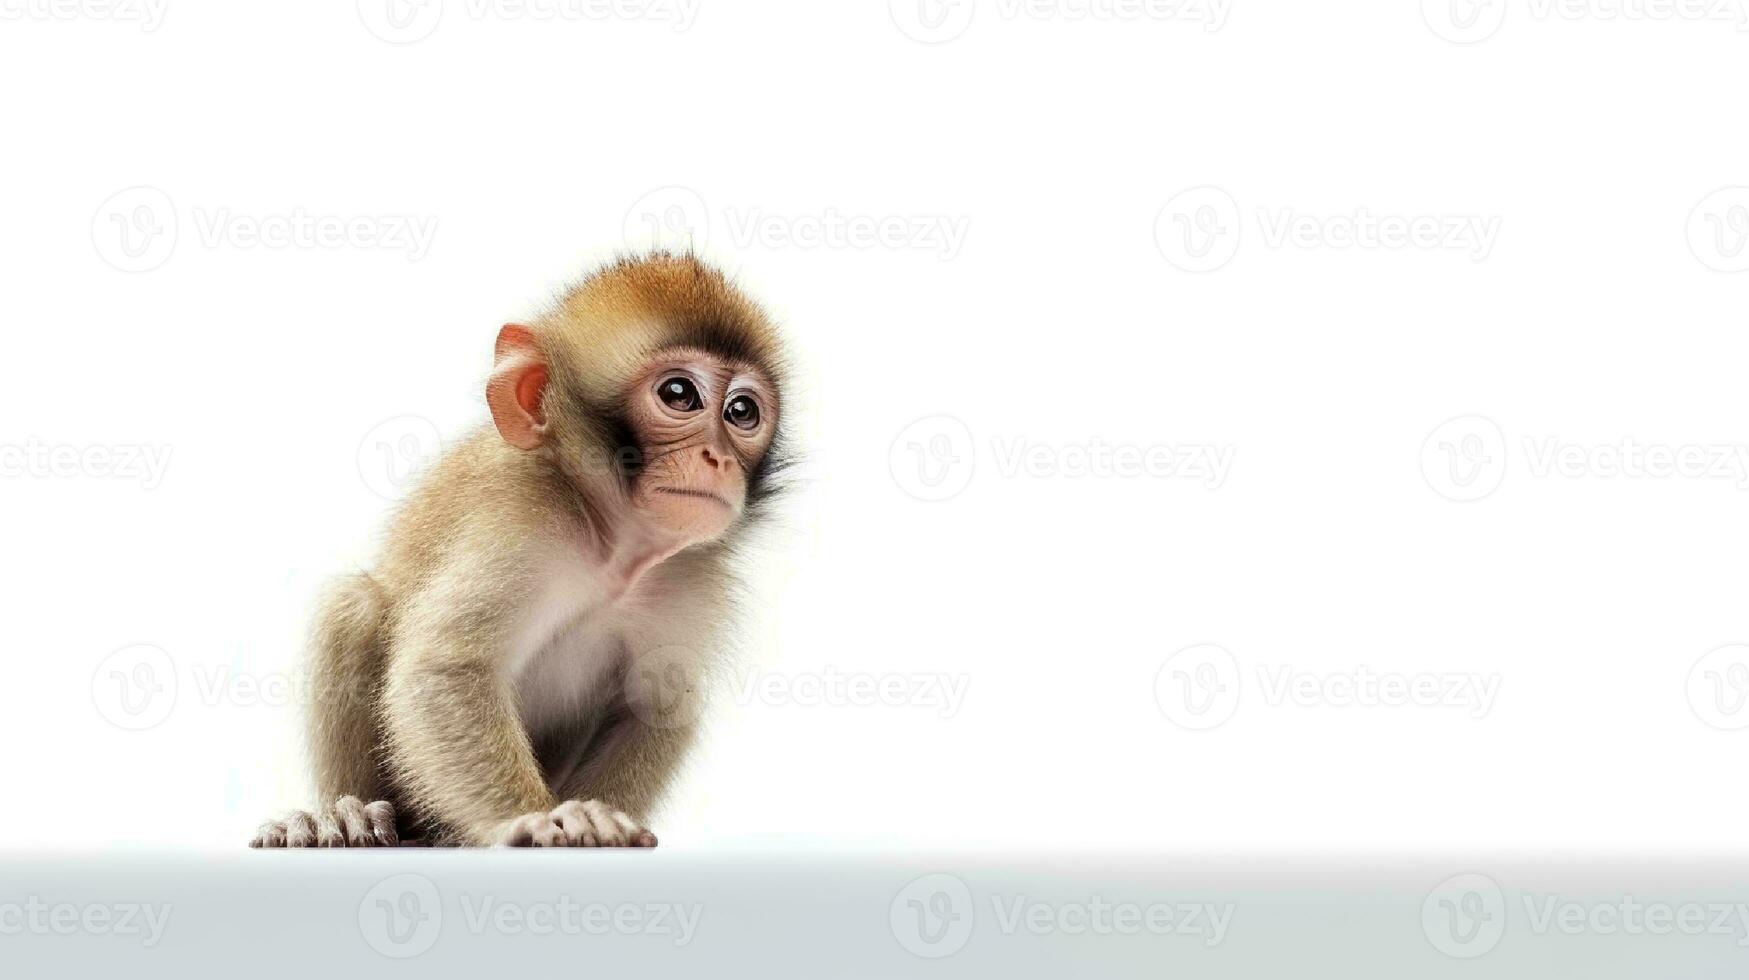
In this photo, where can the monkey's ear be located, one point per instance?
(519, 380)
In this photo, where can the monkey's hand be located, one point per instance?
(348, 823)
(575, 823)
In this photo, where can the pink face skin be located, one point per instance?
(704, 423)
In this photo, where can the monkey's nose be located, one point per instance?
(713, 458)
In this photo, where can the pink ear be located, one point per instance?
(514, 391)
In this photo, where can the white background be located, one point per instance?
(291, 383)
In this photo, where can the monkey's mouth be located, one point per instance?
(684, 492)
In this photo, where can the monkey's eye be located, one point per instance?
(680, 395)
(742, 412)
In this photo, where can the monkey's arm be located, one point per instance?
(458, 750)
(456, 745)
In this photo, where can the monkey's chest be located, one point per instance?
(572, 679)
(577, 648)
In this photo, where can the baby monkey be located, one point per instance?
(523, 665)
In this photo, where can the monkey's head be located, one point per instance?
(654, 387)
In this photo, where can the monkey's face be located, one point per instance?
(702, 424)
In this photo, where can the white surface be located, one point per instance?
(1033, 155)
(844, 912)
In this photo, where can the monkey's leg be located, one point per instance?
(350, 822)
(344, 665)
(345, 673)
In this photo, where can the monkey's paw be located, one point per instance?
(348, 823)
(576, 823)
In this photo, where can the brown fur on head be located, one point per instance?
(603, 328)
(577, 385)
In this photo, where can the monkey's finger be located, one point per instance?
(574, 821)
(607, 829)
(354, 826)
(533, 830)
(328, 829)
(635, 835)
(549, 834)
(300, 830)
(270, 834)
(381, 815)
(515, 836)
